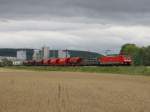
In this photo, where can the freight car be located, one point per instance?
(73, 61)
(77, 61)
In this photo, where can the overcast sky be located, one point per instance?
(94, 25)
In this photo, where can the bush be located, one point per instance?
(6, 62)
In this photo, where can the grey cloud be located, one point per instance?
(43, 25)
(60, 5)
(108, 10)
(94, 37)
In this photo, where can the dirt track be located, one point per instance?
(22, 91)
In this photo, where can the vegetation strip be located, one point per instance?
(133, 70)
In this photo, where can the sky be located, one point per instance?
(93, 25)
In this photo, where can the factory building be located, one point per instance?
(37, 55)
(53, 54)
(8, 58)
(73, 53)
(83, 54)
(21, 55)
(63, 53)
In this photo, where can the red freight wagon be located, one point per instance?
(45, 61)
(31, 62)
(38, 62)
(63, 61)
(26, 62)
(75, 60)
(49, 61)
(116, 60)
(54, 61)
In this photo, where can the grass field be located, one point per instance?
(33, 91)
(130, 70)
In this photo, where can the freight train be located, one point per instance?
(78, 61)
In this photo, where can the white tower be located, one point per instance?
(45, 52)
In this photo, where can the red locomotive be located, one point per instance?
(115, 60)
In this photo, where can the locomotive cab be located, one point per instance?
(127, 60)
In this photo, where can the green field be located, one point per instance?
(132, 70)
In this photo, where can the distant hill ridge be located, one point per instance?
(13, 52)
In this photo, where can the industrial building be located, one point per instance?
(45, 52)
(37, 55)
(21, 55)
(73, 53)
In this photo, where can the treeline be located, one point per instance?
(139, 55)
(5, 62)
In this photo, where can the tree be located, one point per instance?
(1, 64)
(146, 55)
(133, 51)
